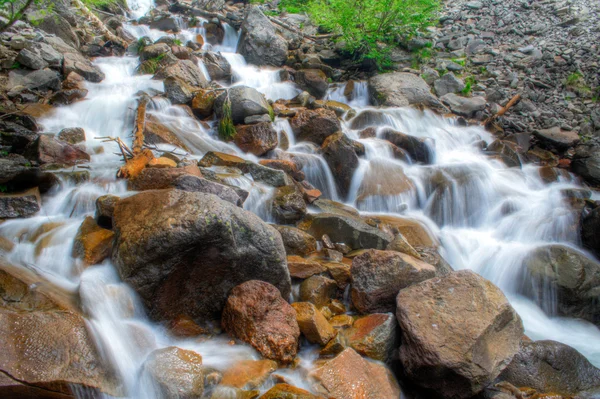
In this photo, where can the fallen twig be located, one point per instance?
(513, 101)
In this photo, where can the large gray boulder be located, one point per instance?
(184, 251)
(338, 151)
(570, 276)
(42, 80)
(448, 84)
(259, 43)
(464, 106)
(185, 70)
(549, 366)
(400, 89)
(74, 62)
(245, 101)
(586, 163)
(458, 333)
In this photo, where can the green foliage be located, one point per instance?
(3, 188)
(574, 79)
(99, 3)
(370, 28)
(272, 13)
(15, 65)
(141, 44)
(459, 61)
(469, 82)
(193, 21)
(293, 6)
(226, 128)
(177, 42)
(271, 114)
(421, 56)
(576, 82)
(150, 66)
(13, 10)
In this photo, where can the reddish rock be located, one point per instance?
(160, 178)
(303, 268)
(289, 167)
(92, 244)
(286, 391)
(318, 290)
(48, 150)
(257, 139)
(256, 313)
(184, 327)
(315, 125)
(248, 374)
(296, 241)
(375, 336)
(313, 324)
(349, 376)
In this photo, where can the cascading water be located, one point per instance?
(487, 216)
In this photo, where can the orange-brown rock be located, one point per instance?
(257, 139)
(286, 391)
(48, 150)
(318, 290)
(312, 323)
(37, 110)
(256, 313)
(341, 321)
(203, 103)
(340, 272)
(73, 81)
(349, 376)
(183, 326)
(162, 162)
(315, 125)
(248, 374)
(415, 232)
(289, 167)
(375, 336)
(160, 178)
(296, 241)
(92, 243)
(303, 268)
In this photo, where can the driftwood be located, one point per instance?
(134, 166)
(513, 101)
(140, 123)
(98, 24)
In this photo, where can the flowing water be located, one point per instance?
(486, 216)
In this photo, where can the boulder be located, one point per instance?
(178, 91)
(385, 185)
(184, 70)
(270, 176)
(248, 374)
(56, 24)
(48, 150)
(200, 245)
(66, 97)
(288, 205)
(338, 151)
(154, 51)
(315, 125)
(256, 313)
(203, 103)
(590, 226)
(92, 244)
(40, 80)
(18, 205)
(193, 183)
(287, 391)
(217, 66)
(506, 151)
(549, 366)
(313, 324)
(289, 167)
(303, 268)
(571, 278)
(105, 208)
(400, 89)
(74, 135)
(448, 84)
(77, 63)
(313, 81)
(586, 163)
(160, 178)
(418, 148)
(458, 333)
(349, 376)
(369, 117)
(165, 22)
(349, 230)
(318, 290)
(375, 336)
(53, 58)
(257, 139)
(245, 101)
(464, 106)
(31, 60)
(259, 43)
(156, 132)
(296, 241)
(177, 373)
(17, 174)
(377, 276)
(557, 138)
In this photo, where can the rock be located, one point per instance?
(256, 139)
(66, 97)
(41, 80)
(462, 327)
(154, 51)
(74, 135)
(375, 336)
(165, 22)
(417, 148)
(338, 151)
(200, 245)
(315, 125)
(587, 165)
(507, 152)
(254, 119)
(448, 84)
(347, 229)
(259, 43)
(557, 138)
(467, 107)
(245, 101)
(377, 276)
(349, 376)
(17, 205)
(369, 117)
(285, 391)
(313, 324)
(288, 205)
(197, 184)
(203, 103)
(177, 91)
(400, 89)
(156, 132)
(217, 66)
(177, 373)
(248, 374)
(82, 66)
(256, 313)
(549, 366)
(303, 268)
(31, 60)
(160, 178)
(214, 32)
(272, 177)
(590, 226)
(318, 290)
(162, 162)
(296, 241)
(289, 167)
(17, 174)
(570, 277)
(313, 81)
(49, 55)
(73, 81)
(184, 70)
(92, 244)
(55, 24)
(105, 208)
(399, 244)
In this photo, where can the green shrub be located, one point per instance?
(150, 66)
(370, 28)
(469, 82)
(293, 6)
(226, 127)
